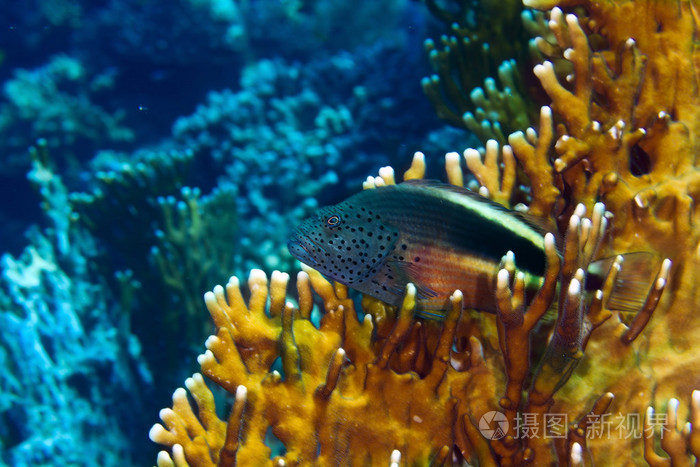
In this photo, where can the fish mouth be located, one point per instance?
(300, 251)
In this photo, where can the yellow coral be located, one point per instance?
(402, 387)
(330, 403)
(623, 128)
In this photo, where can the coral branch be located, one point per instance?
(403, 324)
(515, 325)
(533, 155)
(565, 348)
(200, 438)
(644, 315)
(234, 428)
(333, 374)
(677, 443)
(417, 169)
(499, 185)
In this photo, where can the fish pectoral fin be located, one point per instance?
(632, 283)
(408, 272)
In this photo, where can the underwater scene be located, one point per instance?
(375, 233)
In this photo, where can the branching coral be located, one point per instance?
(61, 340)
(55, 102)
(296, 126)
(487, 41)
(191, 250)
(335, 376)
(624, 142)
(417, 374)
(617, 132)
(188, 242)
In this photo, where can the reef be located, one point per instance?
(613, 164)
(482, 66)
(64, 334)
(147, 200)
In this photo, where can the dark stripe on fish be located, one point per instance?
(429, 212)
(440, 238)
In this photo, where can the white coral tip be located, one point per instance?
(665, 268)
(549, 241)
(574, 288)
(502, 279)
(179, 394)
(576, 453)
(241, 393)
(257, 275)
(472, 154)
(156, 432)
(164, 460)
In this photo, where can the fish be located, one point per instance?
(439, 237)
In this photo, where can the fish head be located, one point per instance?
(346, 242)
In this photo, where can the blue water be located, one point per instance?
(173, 144)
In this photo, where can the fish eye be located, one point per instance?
(333, 220)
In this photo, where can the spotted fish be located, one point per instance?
(439, 237)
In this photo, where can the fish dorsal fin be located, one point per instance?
(438, 185)
(540, 225)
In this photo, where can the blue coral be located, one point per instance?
(69, 360)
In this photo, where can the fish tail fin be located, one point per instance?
(632, 283)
